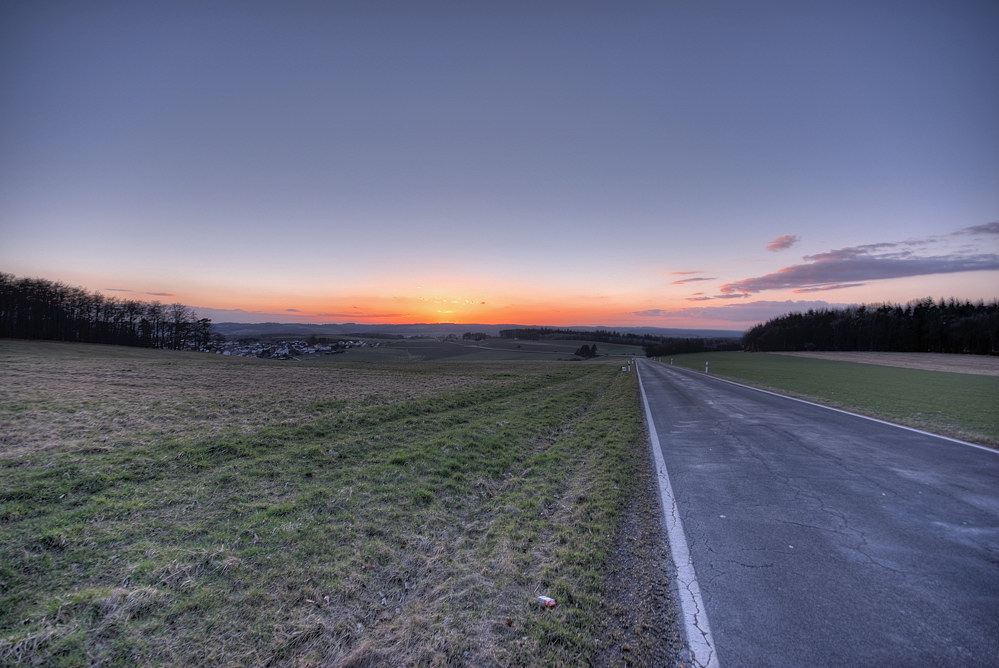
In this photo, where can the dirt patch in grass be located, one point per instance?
(981, 365)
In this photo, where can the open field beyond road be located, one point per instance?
(488, 350)
(165, 508)
(981, 365)
(961, 405)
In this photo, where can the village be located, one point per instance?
(286, 350)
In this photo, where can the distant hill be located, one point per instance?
(238, 330)
(673, 333)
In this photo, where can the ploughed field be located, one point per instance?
(163, 508)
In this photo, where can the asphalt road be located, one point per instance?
(821, 538)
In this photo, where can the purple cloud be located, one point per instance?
(749, 312)
(823, 288)
(987, 228)
(783, 242)
(692, 280)
(854, 266)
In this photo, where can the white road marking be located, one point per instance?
(695, 617)
(846, 412)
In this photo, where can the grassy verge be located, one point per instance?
(958, 405)
(166, 508)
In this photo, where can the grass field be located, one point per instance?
(162, 508)
(959, 405)
(491, 349)
(178, 508)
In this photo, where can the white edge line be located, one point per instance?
(838, 410)
(695, 616)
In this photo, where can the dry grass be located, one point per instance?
(172, 508)
(65, 399)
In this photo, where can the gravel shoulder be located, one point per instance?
(642, 627)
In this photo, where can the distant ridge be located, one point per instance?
(289, 329)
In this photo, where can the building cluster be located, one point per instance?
(286, 350)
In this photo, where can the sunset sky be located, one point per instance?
(671, 163)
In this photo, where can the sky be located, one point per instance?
(670, 163)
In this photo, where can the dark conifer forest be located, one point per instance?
(944, 326)
(35, 308)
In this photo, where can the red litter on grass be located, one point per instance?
(547, 602)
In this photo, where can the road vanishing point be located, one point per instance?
(810, 536)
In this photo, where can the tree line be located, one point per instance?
(679, 346)
(922, 325)
(35, 308)
(601, 336)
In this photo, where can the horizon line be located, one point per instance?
(466, 324)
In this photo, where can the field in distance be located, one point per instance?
(936, 393)
(490, 349)
(979, 365)
(169, 508)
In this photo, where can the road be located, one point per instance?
(821, 538)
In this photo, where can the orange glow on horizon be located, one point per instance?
(428, 310)
(534, 305)
(429, 307)
(429, 303)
